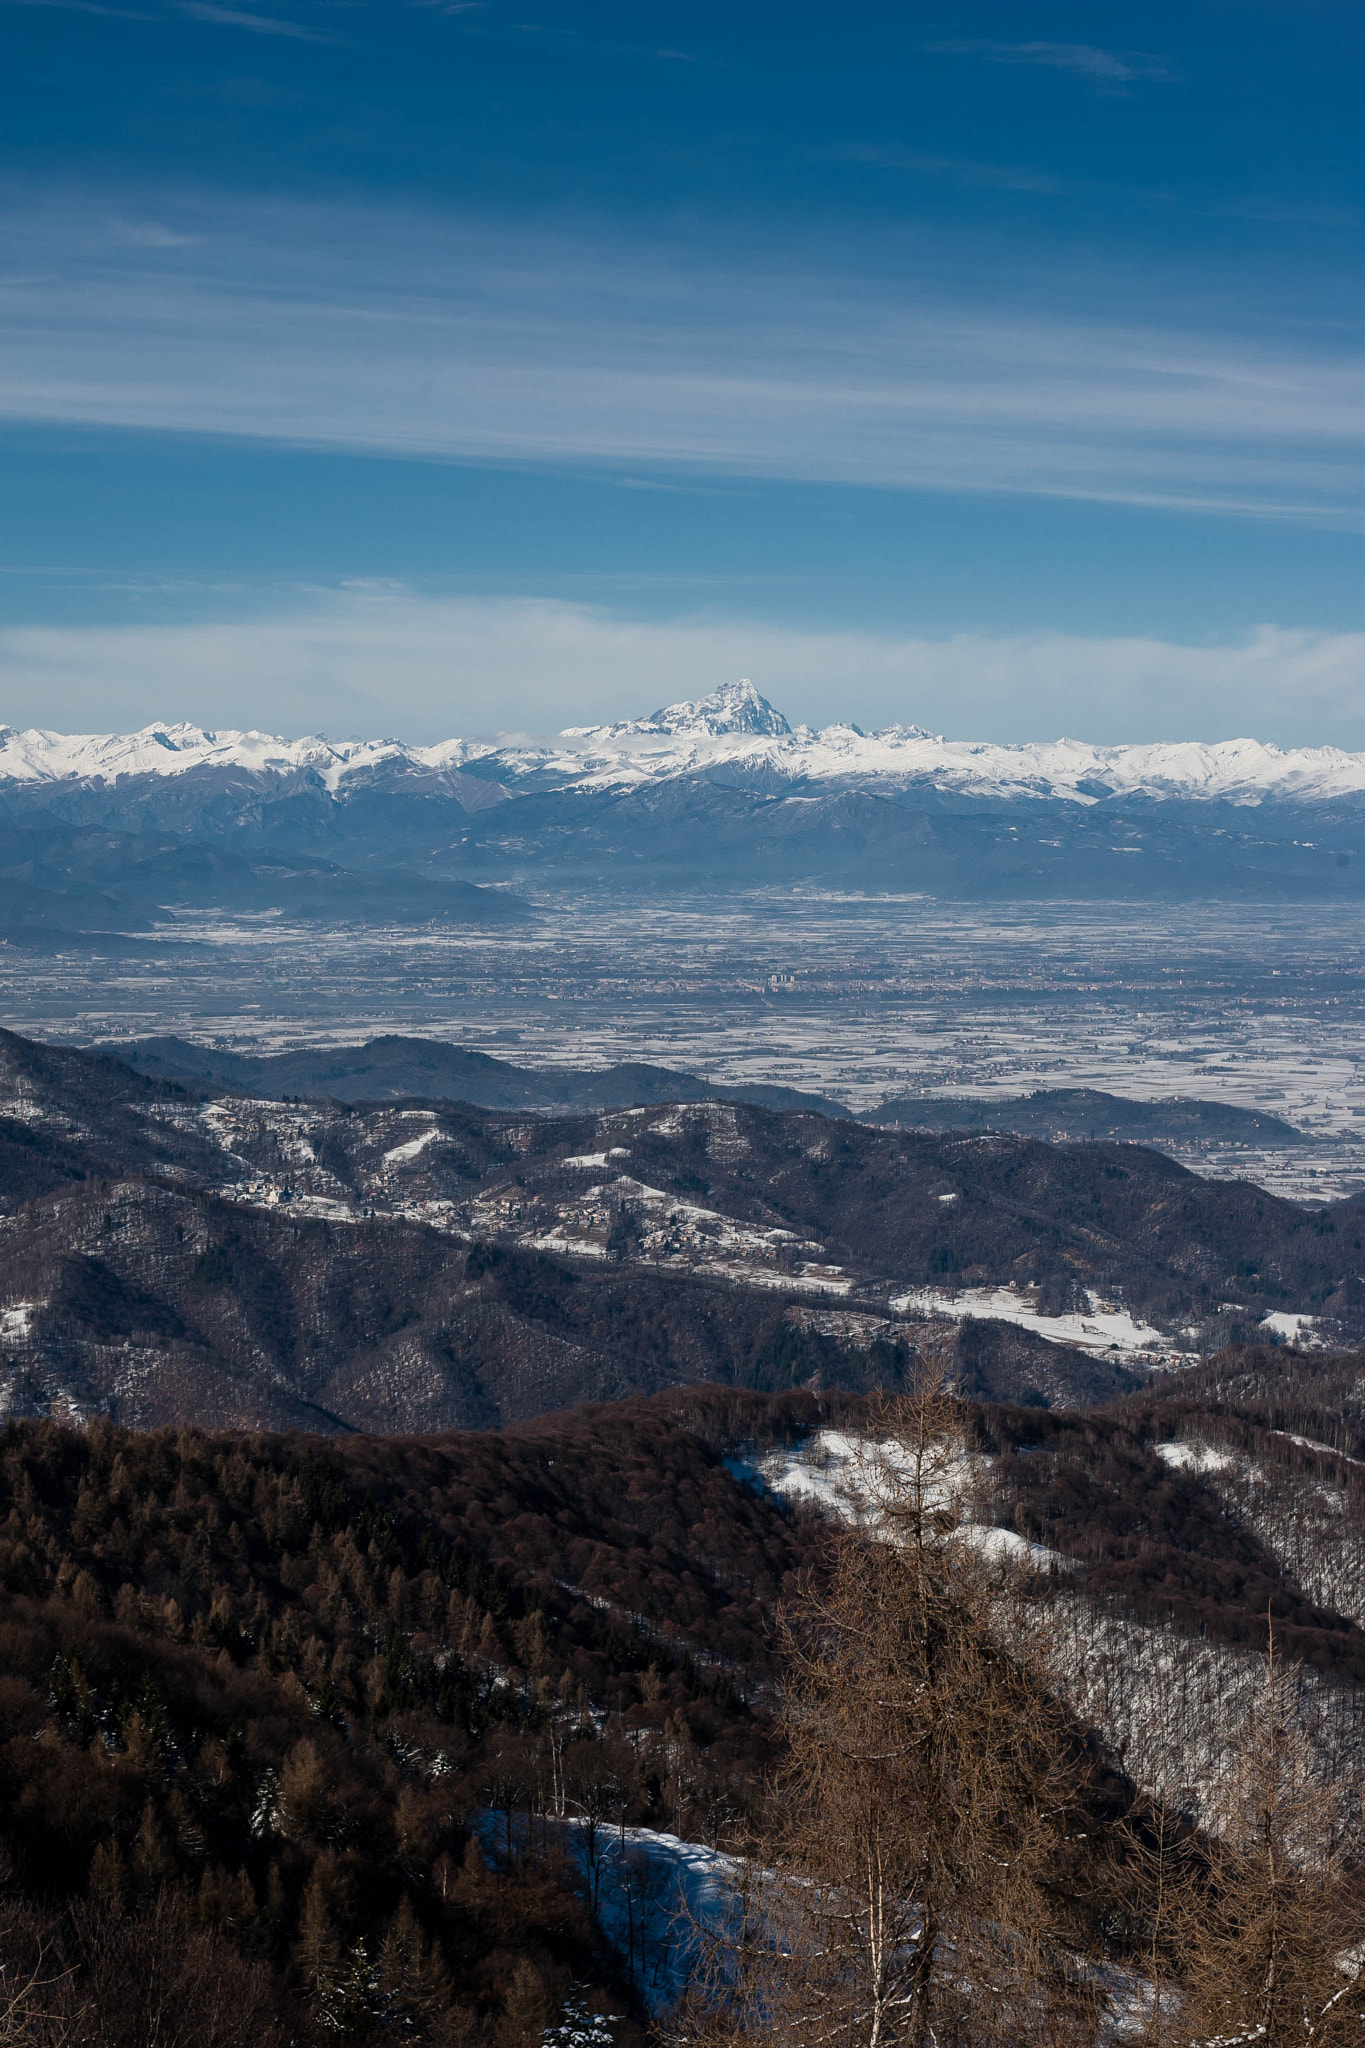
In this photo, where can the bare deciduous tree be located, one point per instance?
(1273, 1930)
(913, 1893)
(40, 2006)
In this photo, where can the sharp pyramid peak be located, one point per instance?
(734, 707)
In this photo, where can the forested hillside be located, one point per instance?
(171, 1254)
(278, 1690)
(395, 1069)
(262, 1688)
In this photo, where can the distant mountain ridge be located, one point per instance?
(734, 728)
(717, 794)
(74, 878)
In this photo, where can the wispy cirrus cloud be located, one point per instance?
(1084, 60)
(258, 24)
(150, 234)
(967, 170)
(428, 668)
(435, 338)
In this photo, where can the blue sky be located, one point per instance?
(437, 367)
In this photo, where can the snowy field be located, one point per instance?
(1262, 1007)
(1101, 1327)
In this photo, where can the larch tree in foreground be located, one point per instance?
(1271, 1912)
(914, 1892)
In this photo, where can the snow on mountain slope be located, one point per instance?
(733, 708)
(735, 732)
(38, 756)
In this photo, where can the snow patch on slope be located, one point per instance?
(831, 1470)
(1312, 1443)
(16, 1321)
(649, 1893)
(409, 1149)
(1007, 1546)
(1193, 1457)
(836, 1472)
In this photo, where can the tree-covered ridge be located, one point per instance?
(264, 1684)
(273, 1265)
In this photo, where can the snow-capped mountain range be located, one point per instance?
(734, 735)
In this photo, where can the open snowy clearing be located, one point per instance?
(1099, 1328)
(399, 1153)
(839, 1473)
(411, 1147)
(824, 1469)
(1192, 1457)
(1300, 1330)
(16, 1321)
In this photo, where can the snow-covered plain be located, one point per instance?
(734, 730)
(856, 998)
